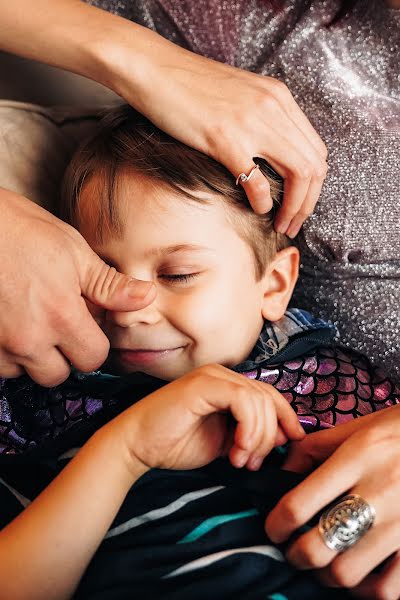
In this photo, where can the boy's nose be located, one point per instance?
(149, 315)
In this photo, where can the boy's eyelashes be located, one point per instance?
(178, 277)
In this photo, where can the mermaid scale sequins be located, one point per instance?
(344, 386)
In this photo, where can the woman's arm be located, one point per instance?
(242, 114)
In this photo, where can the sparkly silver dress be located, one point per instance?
(346, 79)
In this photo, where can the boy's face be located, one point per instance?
(208, 307)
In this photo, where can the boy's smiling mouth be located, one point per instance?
(143, 356)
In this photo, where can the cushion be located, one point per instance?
(36, 144)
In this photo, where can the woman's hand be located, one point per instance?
(47, 269)
(229, 114)
(361, 457)
(188, 423)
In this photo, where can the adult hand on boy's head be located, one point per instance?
(243, 115)
(46, 273)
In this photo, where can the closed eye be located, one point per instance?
(179, 277)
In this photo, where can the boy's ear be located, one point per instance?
(279, 280)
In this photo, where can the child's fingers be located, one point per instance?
(269, 431)
(263, 435)
(279, 423)
(287, 418)
(281, 437)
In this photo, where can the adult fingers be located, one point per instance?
(317, 491)
(297, 116)
(384, 585)
(255, 184)
(83, 344)
(351, 567)
(51, 370)
(291, 154)
(300, 123)
(105, 286)
(306, 209)
(8, 367)
(303, 179)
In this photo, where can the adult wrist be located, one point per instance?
(127, 60)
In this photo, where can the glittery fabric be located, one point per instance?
(346, 79)
(326, 387)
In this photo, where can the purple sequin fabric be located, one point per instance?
(346, 79)
(326, 388)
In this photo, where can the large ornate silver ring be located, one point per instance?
(347, 521)
(244, 178)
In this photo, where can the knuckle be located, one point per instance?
(304, 213)
(51, 380)
(279, 87)
(61, 315)
(342, 575)
(302, 171)
(383, 591)
(217, 139)
(106, 282)
(289, 212)
(240, 391)
(202, 375)
(22, 346)
(267, 102)
(309, 555)
(86, 364)
(9, 370)
(290, 511)
(321, 170)
(374, 435)
(324, 151)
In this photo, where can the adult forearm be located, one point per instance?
(75, 36)
(44, 551)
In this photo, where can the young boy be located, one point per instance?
(160, 211)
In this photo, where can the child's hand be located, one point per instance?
(187, 423)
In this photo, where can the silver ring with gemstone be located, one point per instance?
(346, 522)
(245, 178)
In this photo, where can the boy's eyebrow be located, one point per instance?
(167, 250)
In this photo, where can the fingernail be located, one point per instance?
(281, 226)
(138, 288)
(241, 460)
(301, 430)
(255, 463)
(293, 231)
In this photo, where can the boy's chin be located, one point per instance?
(114, 367)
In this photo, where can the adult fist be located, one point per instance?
(47, 272)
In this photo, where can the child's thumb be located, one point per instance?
(105, 286)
